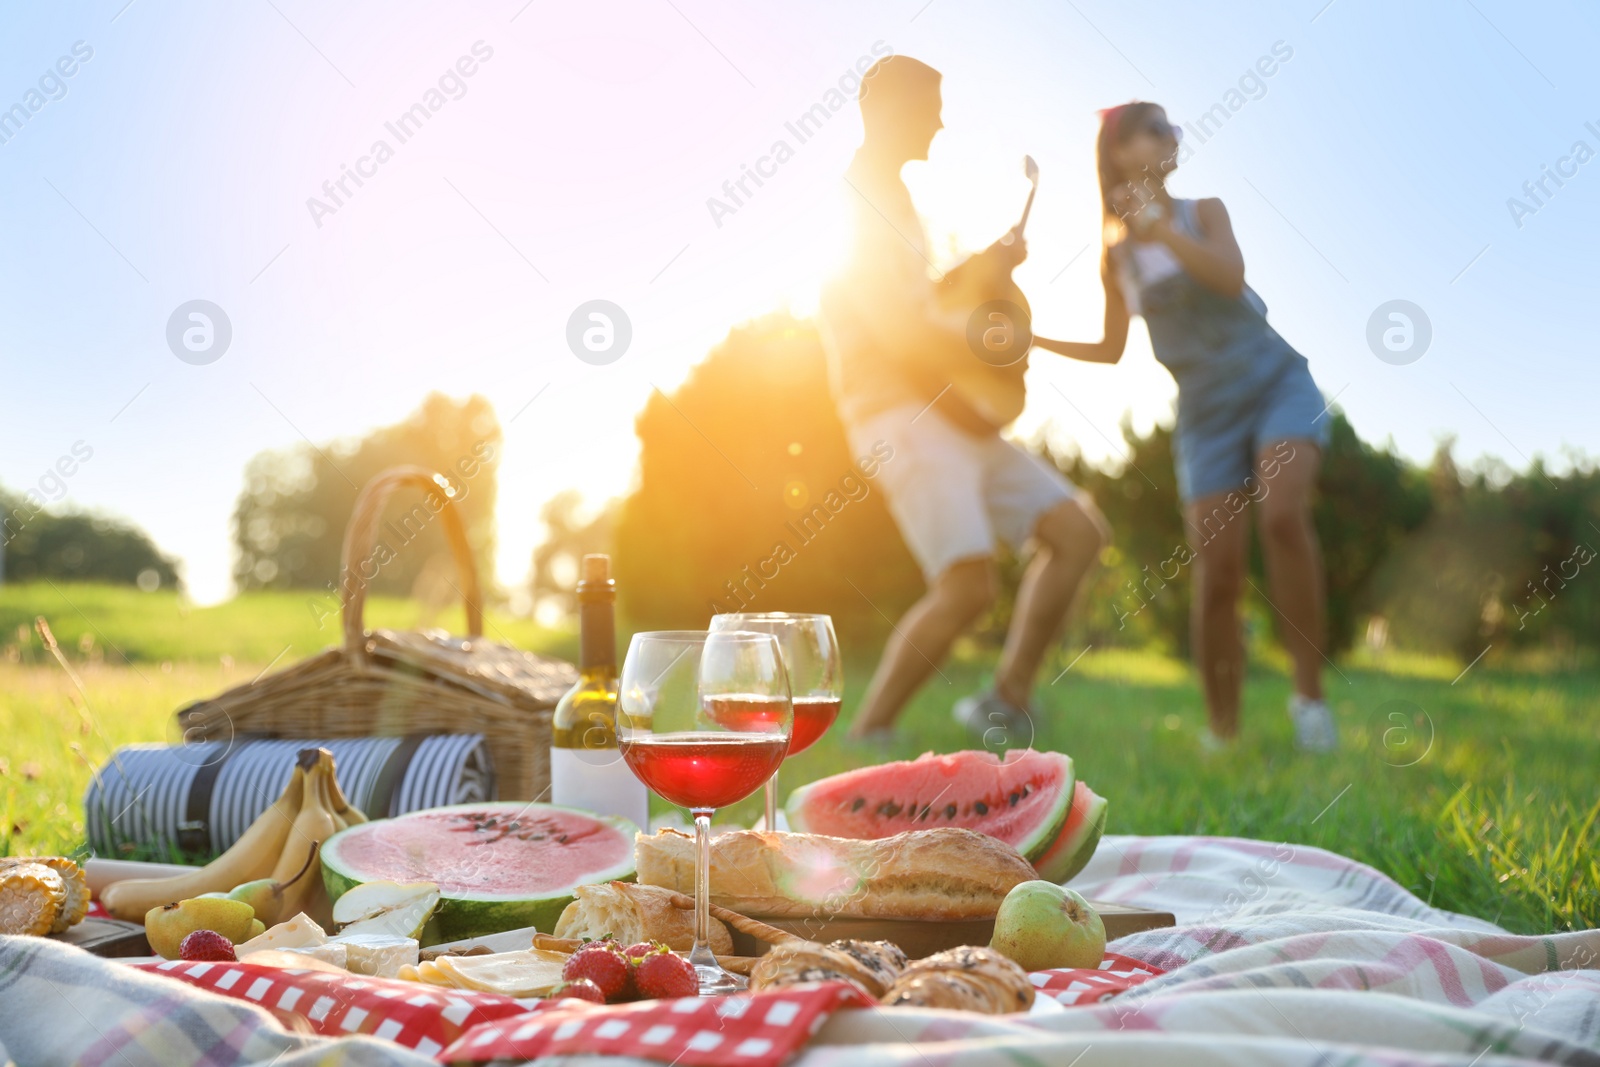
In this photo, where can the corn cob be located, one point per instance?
(31, 899)
(72, 880)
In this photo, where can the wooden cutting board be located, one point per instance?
(107, 937)
(914, 936)
(918, 938)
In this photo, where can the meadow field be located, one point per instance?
(1473, 786)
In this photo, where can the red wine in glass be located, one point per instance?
(811, 658)
(812, 717)
(704, 770)
(747, 712)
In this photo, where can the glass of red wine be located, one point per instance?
(702, 720)
(816, 675)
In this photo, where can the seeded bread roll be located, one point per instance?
(807, 961)
(971, 978)
(939, 874)
(633, 913)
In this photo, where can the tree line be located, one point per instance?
(747, 496)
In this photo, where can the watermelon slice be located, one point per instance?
(498, 866)
(1071, 849)
(1022, 800)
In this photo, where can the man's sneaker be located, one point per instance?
(1214, 744)
(994, 720)
(1314, 730)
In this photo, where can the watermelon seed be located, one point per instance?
(1014, 798)
(858, 804)
(889, 809)
(980, 807)
(949, 811)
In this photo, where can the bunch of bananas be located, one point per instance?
(282, 841)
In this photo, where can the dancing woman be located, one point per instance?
(1250, 427)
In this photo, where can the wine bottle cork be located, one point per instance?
(596, 568)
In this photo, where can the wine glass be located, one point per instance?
(703, 719)
(816, 675)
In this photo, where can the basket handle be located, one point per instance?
(358, 565)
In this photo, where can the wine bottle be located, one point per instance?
(586, 766)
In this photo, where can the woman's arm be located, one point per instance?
(1214, 260)
(1115, 334)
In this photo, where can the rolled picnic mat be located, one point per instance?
(202, 797)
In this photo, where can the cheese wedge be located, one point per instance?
(302, 931)
(377, 954)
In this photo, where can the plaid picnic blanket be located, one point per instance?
(1284, 955)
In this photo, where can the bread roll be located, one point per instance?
(807, 961)
(969, 978)
(944, 873)
(884, 959)
(632, 913)
(938, 990)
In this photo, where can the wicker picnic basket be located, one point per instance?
(387, 683)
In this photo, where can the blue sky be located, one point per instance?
(575, 163)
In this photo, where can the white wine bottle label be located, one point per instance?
(598, 780)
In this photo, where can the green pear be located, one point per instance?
(259, 895)
(166, 925)
(265, 896)
(1042, 925)
(371, 899)
(395, 909)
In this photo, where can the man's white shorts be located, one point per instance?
(953, 495)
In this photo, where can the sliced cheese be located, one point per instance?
(301, 931)
(382, 955)
(530, 972)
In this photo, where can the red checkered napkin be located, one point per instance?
(756, 1029)
(1116, 974)
(421, 1017)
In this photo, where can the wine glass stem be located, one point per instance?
(702, 955)
(772, 802)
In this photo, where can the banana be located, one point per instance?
(251, 857)
(312, 826)
(344, 812)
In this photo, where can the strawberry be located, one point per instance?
(581, 988)
(662, 975)
(206, 945)
(639, 951)
(602, 963)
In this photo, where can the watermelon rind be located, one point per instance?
(1074, 847)
(463, 915)
(807, 813)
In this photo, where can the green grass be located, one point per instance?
(1480, 796)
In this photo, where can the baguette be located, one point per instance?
(633, 913)
(945, 873)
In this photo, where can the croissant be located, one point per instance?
(969, 978)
